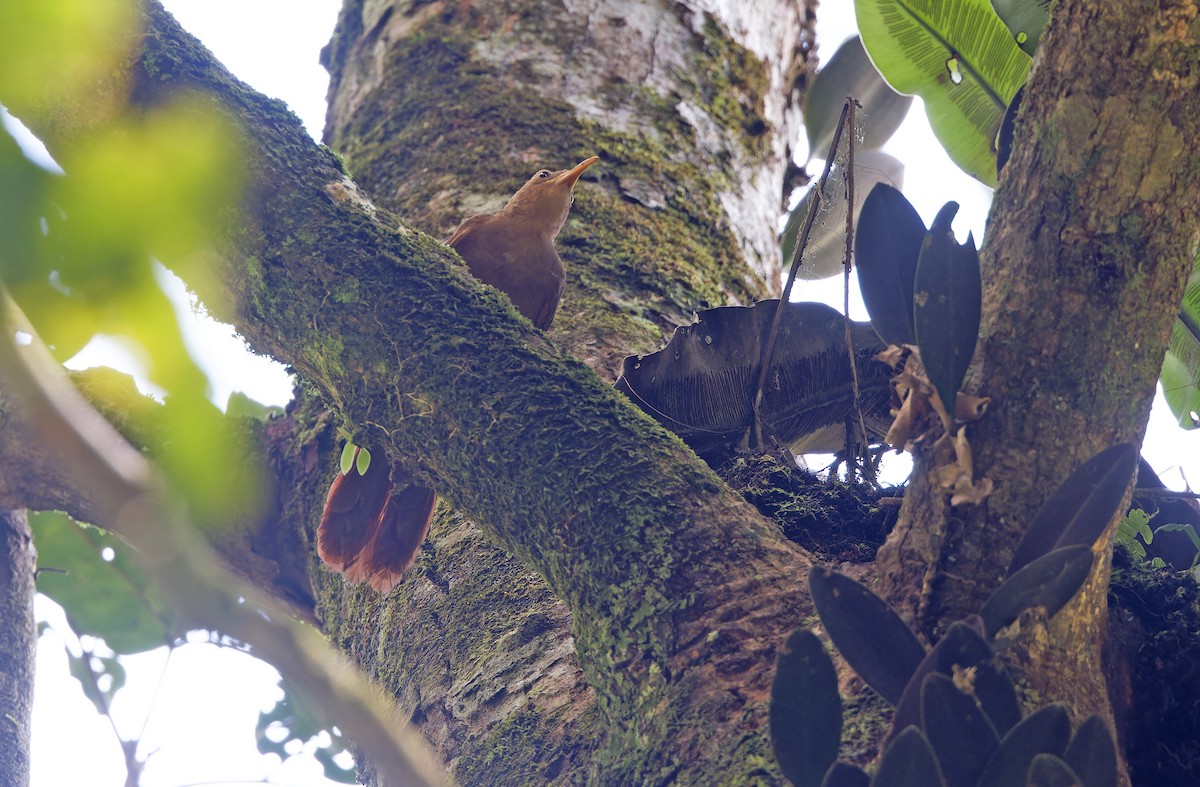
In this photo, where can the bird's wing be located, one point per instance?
(466, 228)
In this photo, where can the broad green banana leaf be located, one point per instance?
(1181, 368)
(958, 56)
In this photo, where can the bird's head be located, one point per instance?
(546, 197)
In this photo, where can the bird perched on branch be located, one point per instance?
(374, 522)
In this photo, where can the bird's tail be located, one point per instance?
(373, 523)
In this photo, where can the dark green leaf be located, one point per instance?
(843, 774)
(113, 599)
(958, 730)
(850, 73)
(1080, 508)
(962, 650)
(1092, 754)
(1049, 771)
(700, 385)
(1025, 19)
(1007, 130)
(1048, 582)
(1044, 731)
(874, 640)
(908, 762)
(947, 300)
(887, 245)
(806, 710)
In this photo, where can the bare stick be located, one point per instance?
(868, 469)
(814, 204)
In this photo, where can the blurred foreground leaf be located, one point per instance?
(107, 598)
(293, 722)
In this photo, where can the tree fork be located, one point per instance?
(1102, 198)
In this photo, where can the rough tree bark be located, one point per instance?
(441, 110)
(1091, 237)
(18, 641)
(678, 594)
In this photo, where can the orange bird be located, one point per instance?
(373, 523)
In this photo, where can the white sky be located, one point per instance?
(202, 721)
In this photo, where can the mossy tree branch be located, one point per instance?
(644, 544)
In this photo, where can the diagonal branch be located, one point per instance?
(652, 553)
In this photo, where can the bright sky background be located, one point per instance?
(199, 711)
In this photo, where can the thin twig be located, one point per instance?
(814, 205)
(868, 470)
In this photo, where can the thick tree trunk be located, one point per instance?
(1090, 240)
(18, 643)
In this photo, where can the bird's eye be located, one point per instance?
(542, 174)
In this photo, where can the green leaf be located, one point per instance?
(871, 637)
(962, 650)
(1176, 545)
(242, 406)
(806, 710)
(1180, 375)
(887, 243)
(1079, 508)
(1045, 731)
(1049, 771)
(110, 599)
(957, 728)
(91, 670)
(1092, 754)
(947, 300)
(293, 719)
(349, 454)
(908, 762)
(1025, 19)
(918, 45)
(1135, 523)
(843, 774)
(850, 73)
(824, 254)
(363, 461)
(1048, 582)
(51, 52)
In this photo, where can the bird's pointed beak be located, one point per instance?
(569, 176)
